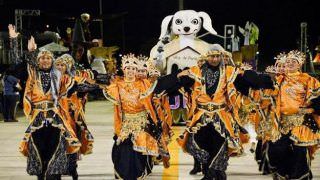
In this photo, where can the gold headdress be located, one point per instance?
(142, 62)
(227, 53)
(245, 66)
(297, 55)
(44, 53)
(67, 60)
(154, 72)
(271, 69)
(215, 49)
(129, 60)
(280, 58)
(202, 58)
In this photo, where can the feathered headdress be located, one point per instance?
(142, 62)
(271, 69)
(297, 55)
(68, 60)
(129, 60)
(215, 49)
(44, 53)
(281, 58)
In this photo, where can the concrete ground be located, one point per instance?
(98, 166)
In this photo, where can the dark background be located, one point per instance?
(134, 25)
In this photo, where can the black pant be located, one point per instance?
(1, 102)
(289, 160)
(210, 140)
(46, 140)
(10, 103)
(128, 163)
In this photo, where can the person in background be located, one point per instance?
(11, 88)
(1, 95)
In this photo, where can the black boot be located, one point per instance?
(40, 177)
(53, 177)
(207, 175)
(74, 175)
(196, 167)
(220, 175)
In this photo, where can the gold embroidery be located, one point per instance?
(133, 124)
(288, 122)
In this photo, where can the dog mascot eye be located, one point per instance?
(195, 21)
(178, 21)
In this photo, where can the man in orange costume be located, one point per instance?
(49, 137)
(213, 133)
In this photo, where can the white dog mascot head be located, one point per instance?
(186, 22)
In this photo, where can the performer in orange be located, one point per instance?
(72, 109)
(294, 99)
(161, 105)
(136, 125)
(142, 67)
(213, 133)
(49, 137)
(262, 117)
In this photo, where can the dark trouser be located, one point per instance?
(10, 103)
(72, 165)
(1, 102)
(261, 157)
(208, 139)
(290, 161)
(46, 140)
(128, 163)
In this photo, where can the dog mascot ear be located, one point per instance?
(207, 24)
(165, 26)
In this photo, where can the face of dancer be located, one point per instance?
(130, 73)
(61, 67)
(45, 62)
(142, 74)
(201, 62)
(281, 68)
(292, 65)
(226, 59)
(214, 60)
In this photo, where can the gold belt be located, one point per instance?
(210, 107)
(44, 105)
(132, 124)
(288, 122)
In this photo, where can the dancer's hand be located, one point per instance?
(12, 31)
(91, 81)
(183, 73)
(32, 46)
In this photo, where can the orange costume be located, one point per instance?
(137, 123)
(72, 109)
(291, 125)
(131, 114)
(218, 104)
(293, 95)
(137, 127)
(43, 94)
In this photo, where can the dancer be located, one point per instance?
(49, 137)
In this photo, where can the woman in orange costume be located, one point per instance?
(296, 100)
(49, 137)
(262, 117)
(137, 128)
(294, 105)
(72, 109)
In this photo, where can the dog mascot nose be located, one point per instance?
(186, 29)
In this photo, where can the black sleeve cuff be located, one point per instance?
(315, 105)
